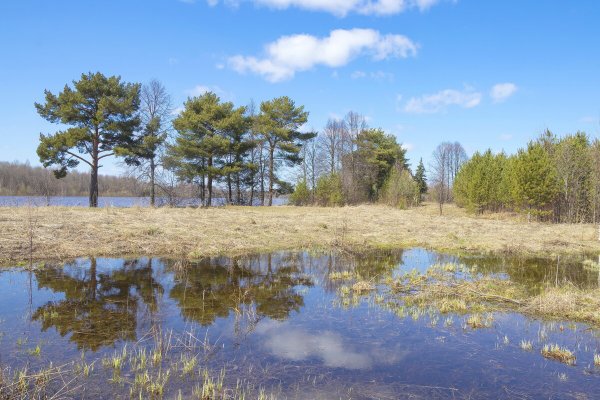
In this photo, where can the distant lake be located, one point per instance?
(82, 201)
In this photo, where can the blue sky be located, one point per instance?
(486, 73)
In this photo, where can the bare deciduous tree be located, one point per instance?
(439, 168)
(331, 144)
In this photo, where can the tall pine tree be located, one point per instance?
(102, 113)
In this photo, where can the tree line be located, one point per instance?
(245, 153)
(22, 179)
(552, 179)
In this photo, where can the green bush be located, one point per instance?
(301, 195)
(400, 189)
(329, 191)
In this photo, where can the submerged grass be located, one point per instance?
(68, 232)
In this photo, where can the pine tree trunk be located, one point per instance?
(152, 193)
(94, 174)
(271, 176)
(229, 190)
(238, 189)
(210, 181)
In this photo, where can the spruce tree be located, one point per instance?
(421, 178)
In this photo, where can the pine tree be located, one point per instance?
(102, 113)
(204, 129)
(278, 124)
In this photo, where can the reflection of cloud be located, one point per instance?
(297, 344)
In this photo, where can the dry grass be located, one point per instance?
(67, 232)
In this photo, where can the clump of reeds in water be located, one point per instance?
(344, 275)
(476, 321)
(526, 345)
(555, 352)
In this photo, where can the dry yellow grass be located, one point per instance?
(67, 232)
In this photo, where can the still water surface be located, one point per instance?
(275, 322)
(82, 201)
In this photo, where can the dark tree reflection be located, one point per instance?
(212, 287)
(99, 308)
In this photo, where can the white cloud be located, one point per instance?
(376, 75)
(408, 146)
(358, 74)
(502, 91)
(438, 102)
(290, 54)
(341, 8)
(199, 90)
(506, 137)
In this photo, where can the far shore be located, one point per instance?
(59, 233)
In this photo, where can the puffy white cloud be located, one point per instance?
(341, 8)
(290, 54)
(502, 91)
(437, 102)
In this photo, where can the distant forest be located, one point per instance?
(21, 179)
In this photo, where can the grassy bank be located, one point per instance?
(67, 232)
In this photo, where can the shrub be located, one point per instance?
(329, 191)
(301, 195)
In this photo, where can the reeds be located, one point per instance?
(561, 354)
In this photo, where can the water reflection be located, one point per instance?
(98, 308)
(213, 287)
(296, 344)
(276, 320)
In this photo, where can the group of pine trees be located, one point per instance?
(210, 142)
(247, 154)
(553, 179)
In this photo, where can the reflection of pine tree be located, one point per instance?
(211, 288)
(98, 309)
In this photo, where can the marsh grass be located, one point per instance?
(526, 345)
(69, 232)
(561, 354)
(477, 321)
(461, 290)
(134, 373)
